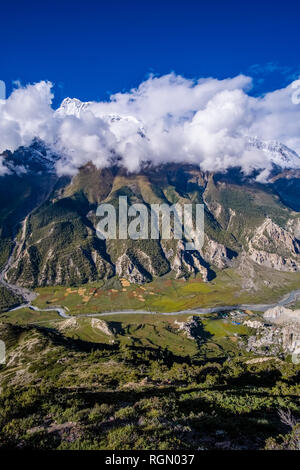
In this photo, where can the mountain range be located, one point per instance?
(48, 221)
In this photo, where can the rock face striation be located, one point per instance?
(279, 334)
(102, 326)
(274, 247)
(281, 315)
(193, 328)
(247, 227)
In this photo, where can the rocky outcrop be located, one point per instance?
(217, 254)
(102, 326)
(281, 315)
(37, 268)
(289, 321)
(291, 338)
(273, 261)
(274, 247)
(184, 263)
(267, 341)
(69, 324)
(255, 324)
(269, 233)
(59, 245)
(280, 335)
(193, 328)
(189, 326)
(247, 272)
(293, 226)
(129, 268)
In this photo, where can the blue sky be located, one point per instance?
(90, 49)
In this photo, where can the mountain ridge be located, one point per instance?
(61, 245)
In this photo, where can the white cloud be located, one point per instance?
(205, 121)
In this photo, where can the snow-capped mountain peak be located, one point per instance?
(276, 152)
(271, 151)
(37, 157)
(75, 107)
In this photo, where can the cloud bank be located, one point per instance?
(166, 119)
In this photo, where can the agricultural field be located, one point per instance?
(144, 380)
(162, 295)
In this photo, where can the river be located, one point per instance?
(286, 300)
(29, 296)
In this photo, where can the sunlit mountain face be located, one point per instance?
(149, 229)
(61, 247)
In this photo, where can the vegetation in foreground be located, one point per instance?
(146, 386)
(8, 299)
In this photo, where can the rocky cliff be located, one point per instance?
(246, 224)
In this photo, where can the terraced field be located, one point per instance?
(162, 295)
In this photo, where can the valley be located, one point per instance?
(140, 344)
(163, 295)
(149, 232)
(141, 381)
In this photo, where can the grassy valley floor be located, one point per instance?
(144, 381)
(165, 295)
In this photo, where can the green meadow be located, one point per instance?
(163, 294)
